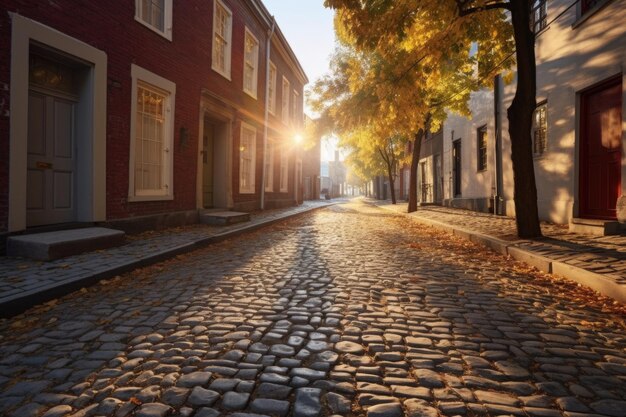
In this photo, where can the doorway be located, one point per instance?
(601, 150)
(215, 166)
(57, 148)
(456, 167)
(207, 164)
(51, 140)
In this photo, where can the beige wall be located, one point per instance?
(572, 55)
(474, 184)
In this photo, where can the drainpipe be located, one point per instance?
(498, 145)
(268, 46)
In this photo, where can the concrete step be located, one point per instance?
(596, 227)
(59, 244)
(223, 218)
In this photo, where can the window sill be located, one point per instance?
(248, 192)
(250, 93)
(222, 73)
(140, 198)
(595, 9)
(167, 34)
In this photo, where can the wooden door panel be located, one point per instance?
(50, 181)
(35, 195)
(63, 190)
(63, 127)
(208, 165)
(600, 150)
(36, 124)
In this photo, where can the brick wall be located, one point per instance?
(186, 61)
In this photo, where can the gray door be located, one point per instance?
(50, 182)
(207, 164)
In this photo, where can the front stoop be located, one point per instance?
(59, 244)
(595, 227)
(224, 218)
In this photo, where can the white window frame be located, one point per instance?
(285, 101)
(294, 107)
(143, 76)
(225, 72)
(284, 170)
(269, 166)
(252, 92)
(272, 88)
(251, 153)
(168, 6)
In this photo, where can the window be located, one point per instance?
(284, 171)
(294, 108)
(250, 64)
(247, 159)
(285, 107)
(272, 87)
(156, 15)
(587, 5)
(222, 31)
(456, 167)
(538, 16)
(481, 135)
(269, 167)
(540, 130)
(152, 133)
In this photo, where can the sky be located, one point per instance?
(308, 27)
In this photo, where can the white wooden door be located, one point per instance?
(51, 162)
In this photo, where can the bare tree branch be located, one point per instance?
(463, 11)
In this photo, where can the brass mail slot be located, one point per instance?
(44, 165)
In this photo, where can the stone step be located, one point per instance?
(596, 227)
(223, 218)
(59, 244)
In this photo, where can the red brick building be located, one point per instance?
(126, 109)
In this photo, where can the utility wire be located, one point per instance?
(501, 63)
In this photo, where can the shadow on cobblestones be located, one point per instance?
(344, 312)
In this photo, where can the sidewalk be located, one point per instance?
(597, 262)
(25, 283)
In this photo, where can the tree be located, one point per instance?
(388, 25)
(401, 91)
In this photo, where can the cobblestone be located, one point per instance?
(19, 276)
(349, 311)
(601, 254)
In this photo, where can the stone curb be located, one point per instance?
(602, 283)
(13, 305)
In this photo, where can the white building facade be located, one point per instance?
(579, 139)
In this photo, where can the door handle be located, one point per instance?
(44, 165)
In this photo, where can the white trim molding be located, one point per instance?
(247, 185)
(254, 77)
(91, 126)
(227, 39)
(168, 6)
(142, 78)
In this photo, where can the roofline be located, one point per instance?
(267, 18)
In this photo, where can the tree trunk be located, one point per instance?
(520, 115)
(391, 183)
(415, 161)
(390, 162)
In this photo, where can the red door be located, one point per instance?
(601, 150)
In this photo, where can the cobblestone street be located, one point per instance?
(351, 310)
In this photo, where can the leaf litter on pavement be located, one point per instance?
(521, 276)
